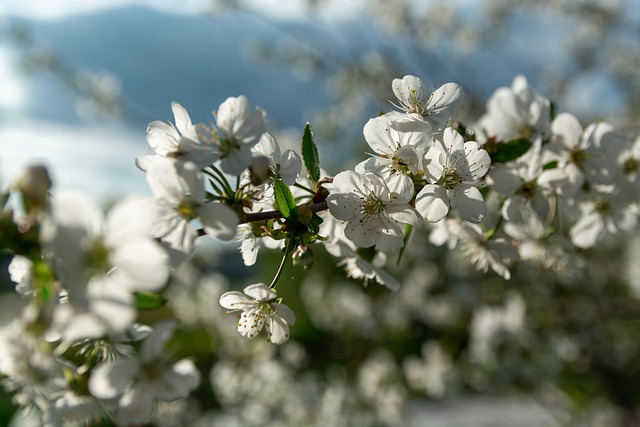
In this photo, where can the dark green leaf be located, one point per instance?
(284, 200)
(550, 165)
(149, 300)
(310, 154)
(407, 233)
(510, 150)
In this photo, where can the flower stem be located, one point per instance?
(280, 268)
(304, 188)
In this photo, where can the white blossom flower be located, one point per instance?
(183, 140)
(436, 108)
(259, 308)
(489, 323)
(100, 262)
(516, 111)
(285, 166)
(453, 169)
(138, 382)
(602, 214)
(580, 155)
(482, 252)
(21, 273)
(396, 154)
(372, 211)
(82, 244)
(359, 268)
(179, 193)
(240, 129)
(538, 244)
(518, 179)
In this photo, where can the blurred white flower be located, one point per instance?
(138, 382)
(259, 307)
(21, 273)
(179, 193)
(513, 112)
(482, 252)
(581, 155)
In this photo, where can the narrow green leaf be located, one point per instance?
(149, 300)
(550, 165)
(284, 200)
(510, 150)
(310, 154)
(405, 239)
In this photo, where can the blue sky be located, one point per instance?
(159, 53)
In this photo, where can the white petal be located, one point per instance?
(153, 346)
(260, 292)
(277, 330)
(377, 133)
(468, 201)
(109, 379)
(136, 405)
(345, 207)
(432, 203)
(587, 231)
(433, 164)
(177, 382)
(403, 214)
(143, 264)
(234, 300)
(183, 121)
(285, 312)
(290, 166)
(567, 129)
(219, 220)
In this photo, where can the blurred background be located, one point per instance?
(81, 79)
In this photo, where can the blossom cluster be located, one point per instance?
(520, 185)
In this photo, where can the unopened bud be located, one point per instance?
(34, 185)
(303, 256)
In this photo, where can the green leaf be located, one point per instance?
(284, 200)
(310, 154)
(550, 165)
(405, 239)
(510, 150)
(149, 300)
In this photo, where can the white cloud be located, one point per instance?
(98, 159)
(55, 9)
(12, 87)
(274, 9)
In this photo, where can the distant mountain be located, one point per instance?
(159, 57)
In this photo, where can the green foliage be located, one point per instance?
(285, 201)
(511, 150)
(149, 300)
(310, 155)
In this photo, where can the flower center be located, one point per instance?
(371, 206)
(578, 157)
(227, 146)
(450, 178)
(187, 209)
(602, 207)
(631, 165)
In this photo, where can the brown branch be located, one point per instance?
(264, 216)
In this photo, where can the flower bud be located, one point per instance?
(34, 185)
(303, 256)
